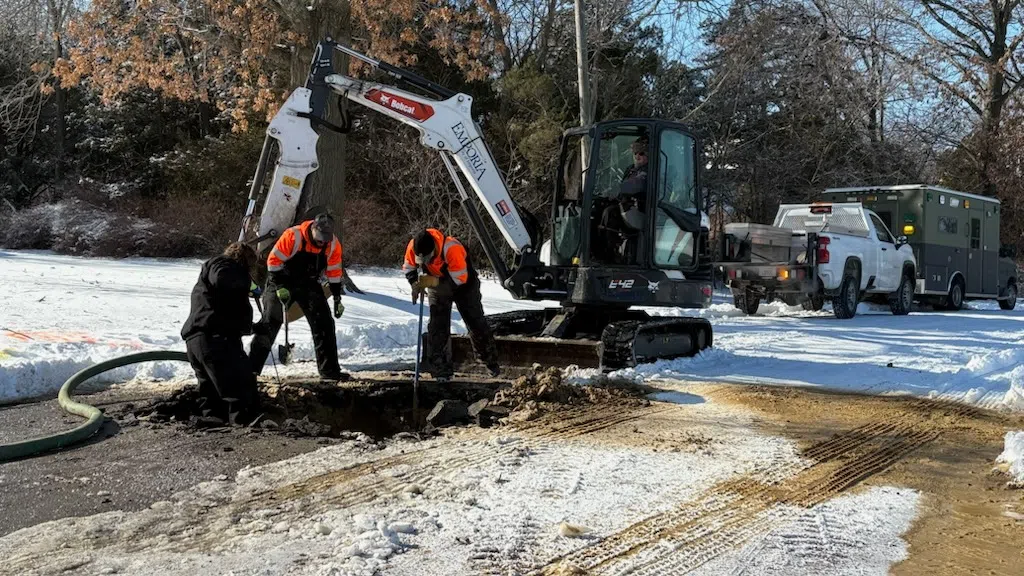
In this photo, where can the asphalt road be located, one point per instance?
(126, 466)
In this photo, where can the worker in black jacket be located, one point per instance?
(220, 316)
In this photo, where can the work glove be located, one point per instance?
(427, 281)
(420, 286)
(412, 276)
(339, 308)
(283, 294)
(254, 290)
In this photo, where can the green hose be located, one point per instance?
(92, 414)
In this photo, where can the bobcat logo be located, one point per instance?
(652, 286)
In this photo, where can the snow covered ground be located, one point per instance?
(62, 313)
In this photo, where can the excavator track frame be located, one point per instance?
(623, 339)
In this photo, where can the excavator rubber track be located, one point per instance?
(621, 344)
(628, 343)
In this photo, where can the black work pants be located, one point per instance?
(469, 301)
(222, 369)
(309, 295)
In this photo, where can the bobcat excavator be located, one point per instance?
(618, 240)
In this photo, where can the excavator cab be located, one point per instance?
(626, 219)
(626, 231)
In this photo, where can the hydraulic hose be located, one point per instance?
(93, 416)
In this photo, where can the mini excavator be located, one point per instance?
(623, 234)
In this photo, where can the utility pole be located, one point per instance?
(583, 74)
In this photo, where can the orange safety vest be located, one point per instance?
(296, 245)
(449, 256)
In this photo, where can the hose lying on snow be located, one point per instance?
(93, 416)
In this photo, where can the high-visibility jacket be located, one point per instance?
(450, 257)
(295, 255)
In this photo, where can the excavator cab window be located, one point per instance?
(677, 218)
(619, 197)
(568, 216)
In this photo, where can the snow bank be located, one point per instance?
(1013, 457)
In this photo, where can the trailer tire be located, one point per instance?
(814, 302)
(746, 300)
(1011, 297)
(844, 303)
(903, 299)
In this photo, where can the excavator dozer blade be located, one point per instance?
(520, 353)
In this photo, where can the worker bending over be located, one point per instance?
(441, 267)
(220, 315)
(299, 257)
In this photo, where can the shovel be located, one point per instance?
(416, 376)
(284, 352)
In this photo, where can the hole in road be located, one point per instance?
(377, 409)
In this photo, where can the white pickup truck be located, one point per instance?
(815, 251)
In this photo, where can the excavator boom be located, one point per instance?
(444, 125)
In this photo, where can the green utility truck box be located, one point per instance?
(955, 238)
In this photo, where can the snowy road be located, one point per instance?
(63, 313)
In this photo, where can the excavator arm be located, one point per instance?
(445, 124)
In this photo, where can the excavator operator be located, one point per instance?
(622, 221)
(440, 266)
(299, 257)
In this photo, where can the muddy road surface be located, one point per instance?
(692, 478)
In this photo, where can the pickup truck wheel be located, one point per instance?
(1011, 298)
(955, 298)
(747, 301)
(902, 300)
(844, 303)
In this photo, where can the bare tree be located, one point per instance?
(970, 48)
(35, 30)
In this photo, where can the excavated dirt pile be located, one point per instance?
(545, 391)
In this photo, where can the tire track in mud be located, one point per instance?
(735, 511)
(193, 525)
